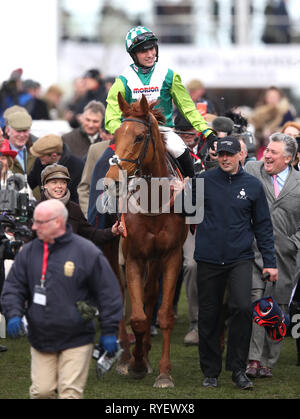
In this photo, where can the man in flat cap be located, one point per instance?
(17, 130)
(9, 112)
(50, 149)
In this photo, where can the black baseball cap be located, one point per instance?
(229, 144)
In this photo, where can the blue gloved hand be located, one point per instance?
(109, 343)
(15, 327)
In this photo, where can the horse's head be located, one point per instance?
(138, 144)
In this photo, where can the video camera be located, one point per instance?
(240, 125)
(16, 209)
(13, 202)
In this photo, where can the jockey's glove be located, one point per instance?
(211, 138)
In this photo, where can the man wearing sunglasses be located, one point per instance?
(157, 82)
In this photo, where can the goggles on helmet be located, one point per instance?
(141, 38)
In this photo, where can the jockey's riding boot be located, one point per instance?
(186, 164)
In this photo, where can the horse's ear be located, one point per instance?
(144, 105)
(122, 102)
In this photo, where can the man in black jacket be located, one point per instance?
(235, 211)
(50, 276)
(49, 150)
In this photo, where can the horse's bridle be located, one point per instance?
(116, 160)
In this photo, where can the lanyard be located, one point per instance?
(45, 262)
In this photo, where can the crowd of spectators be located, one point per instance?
(70, 160)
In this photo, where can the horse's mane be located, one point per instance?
(135, 110)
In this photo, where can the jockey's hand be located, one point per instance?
(273, 272)
(212, 152)
(211, 138)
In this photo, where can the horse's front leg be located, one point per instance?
(150, 301)
(135, 270)
(166, 316)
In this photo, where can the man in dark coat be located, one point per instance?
(235, 212)
(50, 276)
(49, 150)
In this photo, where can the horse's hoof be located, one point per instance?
(164, 381)
(122, 369)
(137, 373)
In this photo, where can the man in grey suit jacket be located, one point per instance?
(285, 213)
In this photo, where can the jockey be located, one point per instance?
(157, 82)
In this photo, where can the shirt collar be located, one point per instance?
(17, 149)
(93, 138)
(284, 174)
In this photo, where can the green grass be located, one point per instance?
(285, 384)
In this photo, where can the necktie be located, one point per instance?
(276, 187)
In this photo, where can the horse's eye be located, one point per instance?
(139, 138)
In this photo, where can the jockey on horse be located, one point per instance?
(157, 82)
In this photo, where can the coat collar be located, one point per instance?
(290, 183)
(227, 175)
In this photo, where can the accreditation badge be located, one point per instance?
(39, 296)
(69, 268)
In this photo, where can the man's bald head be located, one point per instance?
(55, 207)
(50, 219)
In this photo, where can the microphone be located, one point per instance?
(15, 181)
(223, 124)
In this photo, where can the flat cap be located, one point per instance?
(48, 144)
(13, 109)
(55, 171)
(20, 121)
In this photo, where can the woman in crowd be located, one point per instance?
(55, 179)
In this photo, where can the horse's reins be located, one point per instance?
(116, 160)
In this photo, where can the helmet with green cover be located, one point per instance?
(138, 39)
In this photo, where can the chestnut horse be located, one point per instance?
(152, 246)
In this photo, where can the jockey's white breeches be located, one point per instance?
(174, 144)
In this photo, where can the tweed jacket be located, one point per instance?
(78, 142)
(285, 214)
